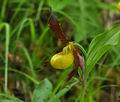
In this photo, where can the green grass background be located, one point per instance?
(27, 44)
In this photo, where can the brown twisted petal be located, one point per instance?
(71, 74)
(78, 59)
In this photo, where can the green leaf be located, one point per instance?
(42, 91)
(58, 4)
(101, 44)
(63, 91)
(61, 79)
(8, 100)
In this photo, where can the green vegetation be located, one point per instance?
(27, 45)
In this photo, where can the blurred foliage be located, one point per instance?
(27, 44)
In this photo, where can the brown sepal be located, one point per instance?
(56, 28)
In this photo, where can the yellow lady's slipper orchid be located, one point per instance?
(118, 6)
(63, 59)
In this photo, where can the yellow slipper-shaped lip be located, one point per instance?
(62, 60)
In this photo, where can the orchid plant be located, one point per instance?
(72, 52)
